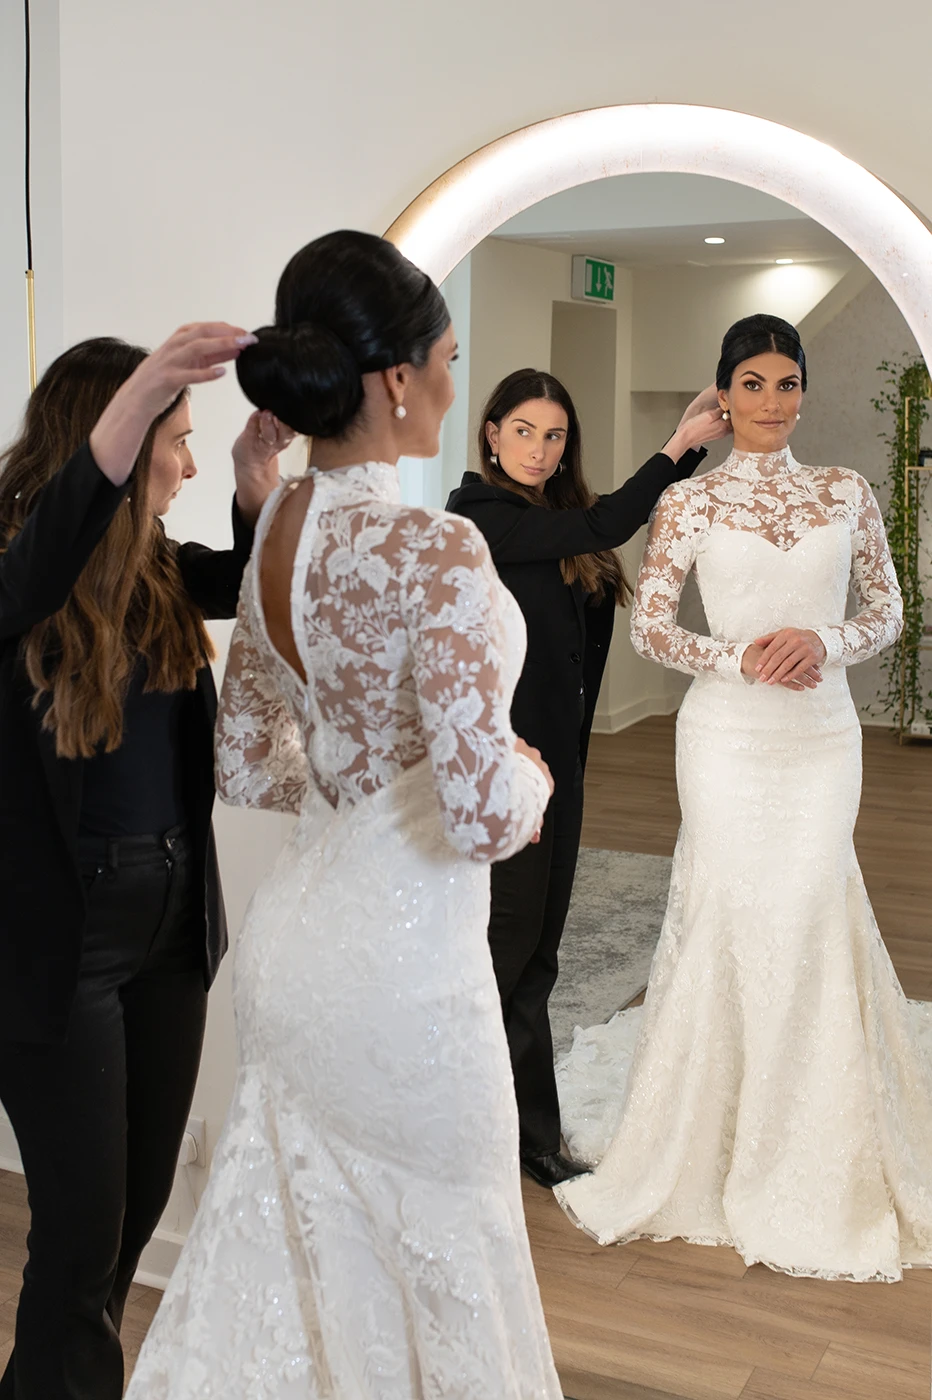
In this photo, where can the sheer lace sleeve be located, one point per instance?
(260, 756)
(461, 624)
(675, 530)
(879, 619)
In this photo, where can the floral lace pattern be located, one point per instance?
(771, 499)
(352, 1243)
(774, 1093)
(408, 636)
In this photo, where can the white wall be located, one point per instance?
(632, 687)
(202, 144)
(583, 356)
(456, 434)
(681, 314)
(513, 288)
(592, 356)
(46, 203)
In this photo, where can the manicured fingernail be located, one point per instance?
(219, 370)
(247, 340)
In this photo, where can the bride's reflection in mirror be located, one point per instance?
(684, 257)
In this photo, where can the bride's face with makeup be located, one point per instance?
(763, 400)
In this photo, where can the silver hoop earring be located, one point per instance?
(725, 414)
(400, 411)
(559, 469)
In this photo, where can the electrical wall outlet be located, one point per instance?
(193, 1151)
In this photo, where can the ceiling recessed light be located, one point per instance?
(714, 240)
(783, 262)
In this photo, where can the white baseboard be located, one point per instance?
(158, 1260)
(872, 721)
(9, 1151)
(623, 716)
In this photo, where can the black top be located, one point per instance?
(138, 790)
(567, 635)
(42, 901)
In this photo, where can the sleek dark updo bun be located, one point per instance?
(347, 304)
(305, 375)
(756, 335)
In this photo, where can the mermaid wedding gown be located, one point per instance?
(774, 1093)
(362, 1235)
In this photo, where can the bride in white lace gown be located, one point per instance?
(362, 1235)
(774, 1093)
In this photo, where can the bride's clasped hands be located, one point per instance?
(790, 657)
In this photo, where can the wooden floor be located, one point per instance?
(675, 1321)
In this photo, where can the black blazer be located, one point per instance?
(42, 902)
(567, 640)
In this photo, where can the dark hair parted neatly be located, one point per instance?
(129, 599)
(568, 489)
(347, 304)
(758, 335)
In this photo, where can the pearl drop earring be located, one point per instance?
(400, 411)
(494, 459)
(798, 416)
(725, 414)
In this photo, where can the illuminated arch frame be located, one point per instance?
(478, 195)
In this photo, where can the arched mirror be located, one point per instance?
(613, 248)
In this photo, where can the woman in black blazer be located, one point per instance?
(552, 542)
(111, 915)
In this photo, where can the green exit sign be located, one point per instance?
(593, 279)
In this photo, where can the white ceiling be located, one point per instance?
(661, 220)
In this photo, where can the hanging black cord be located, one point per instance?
(28, 133)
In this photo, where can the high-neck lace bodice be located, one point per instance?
(754, 466)
(412, 648)
(825, 530)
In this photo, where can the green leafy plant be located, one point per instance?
(905, 396)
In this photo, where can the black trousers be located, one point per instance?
(99, 1119)
(530, 898)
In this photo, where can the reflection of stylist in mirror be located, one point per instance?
(552, 541)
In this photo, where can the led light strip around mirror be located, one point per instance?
(476, 196)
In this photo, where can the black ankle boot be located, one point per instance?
(551, 1169)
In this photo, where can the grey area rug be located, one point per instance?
(611, 932)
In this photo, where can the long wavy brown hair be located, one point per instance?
(129, 600)
(600, 574)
